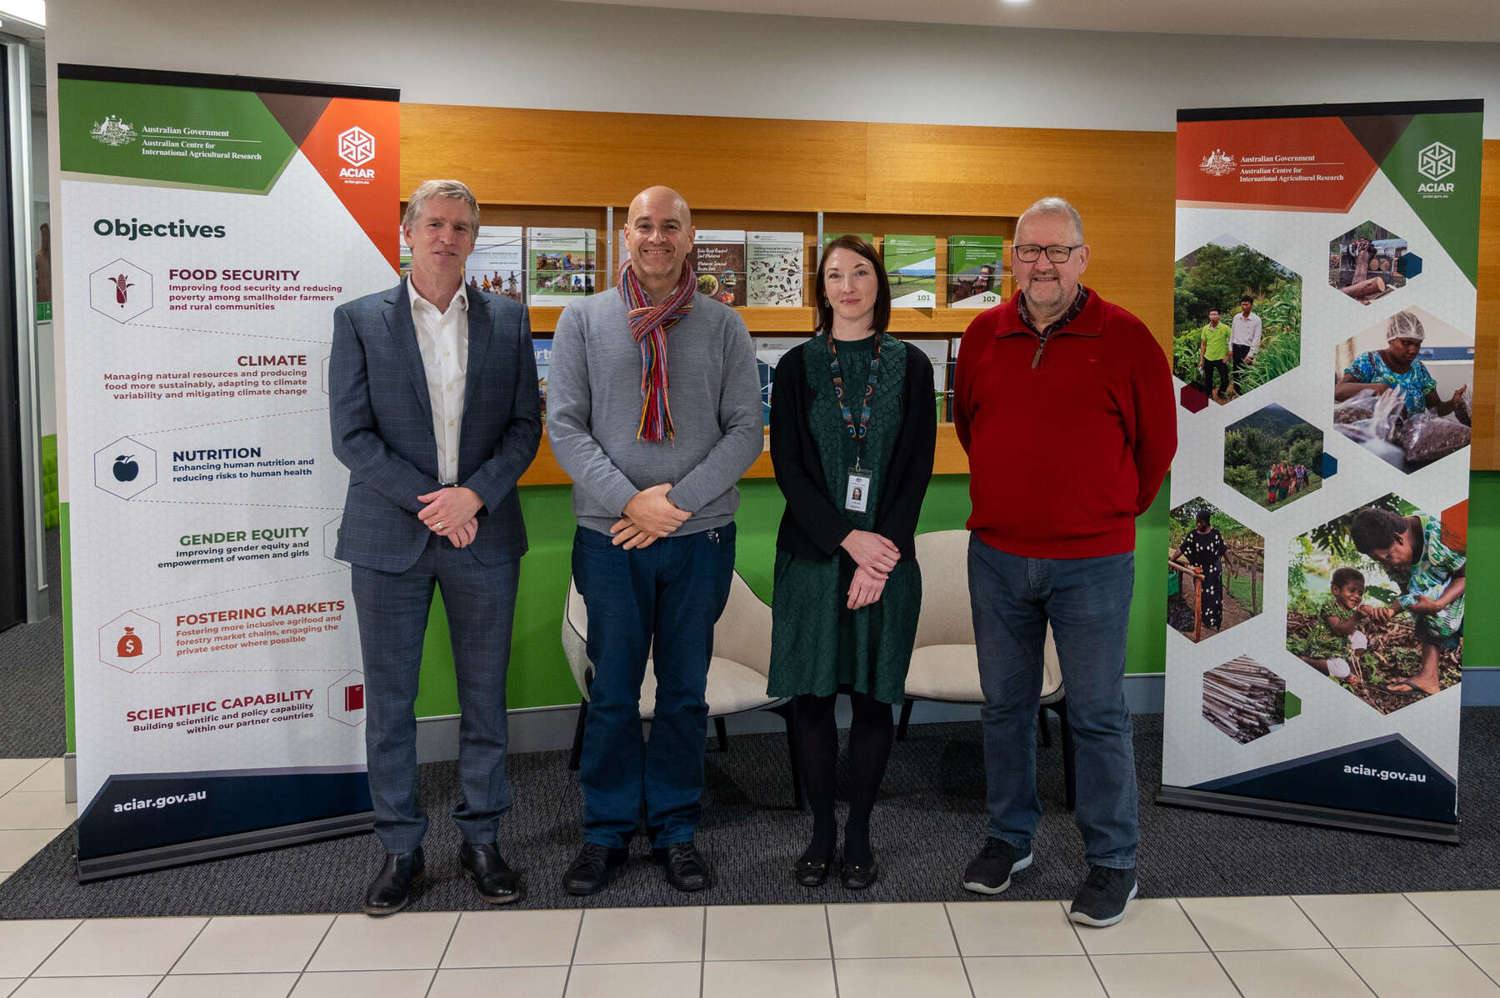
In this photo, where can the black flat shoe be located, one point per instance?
(857, 877)
(493, 878)
(812, 872)
(391, 890)
(590, 869)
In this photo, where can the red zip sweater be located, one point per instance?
(1068, 440)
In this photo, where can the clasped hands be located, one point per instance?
(452, 513)
(874, 557)
(648, 517)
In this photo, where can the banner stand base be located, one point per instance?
(120, 864)
(1310, 814)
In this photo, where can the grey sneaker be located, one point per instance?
(1102, 898)
(989, 872)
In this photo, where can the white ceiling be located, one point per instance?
(1409, 20)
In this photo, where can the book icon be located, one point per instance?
(354, 697)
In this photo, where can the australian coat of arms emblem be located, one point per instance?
(113, 131)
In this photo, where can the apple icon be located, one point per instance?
(126, 468)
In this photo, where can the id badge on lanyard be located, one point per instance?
(857, 482)
(857, 489)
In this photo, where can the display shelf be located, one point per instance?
(948, 459)
(905, 322)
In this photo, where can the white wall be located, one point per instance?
(607, 58)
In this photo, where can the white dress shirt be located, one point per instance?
(443, 338)
(1245, 331)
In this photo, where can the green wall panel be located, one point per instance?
(539, 674)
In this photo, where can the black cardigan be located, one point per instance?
(813, 524)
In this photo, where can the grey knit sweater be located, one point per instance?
(594, 410)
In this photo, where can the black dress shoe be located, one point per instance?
(590, 869)
(812, 872)
(858, 876)
(686, 868)
(496, 882)
(391, 889)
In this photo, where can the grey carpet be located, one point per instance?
(31, 677)
(928, 823)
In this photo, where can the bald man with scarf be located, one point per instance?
(654, 411)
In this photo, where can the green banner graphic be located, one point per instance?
(171, 136)
(1435, 166)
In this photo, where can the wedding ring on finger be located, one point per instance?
(440, 524)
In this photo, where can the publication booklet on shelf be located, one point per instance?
(948, 387)
(911, 266)
(937, 354)
(829, 237)
(768, 353)
(497, 264)
(773, 264)
(718, 258)
(543, 351)
(559, 265)
(975, 265)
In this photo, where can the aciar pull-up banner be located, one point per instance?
(1323, 349)
(209, 227)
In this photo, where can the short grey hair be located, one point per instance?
(455, 190)
(1054, 206)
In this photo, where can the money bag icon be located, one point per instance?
(129, 645)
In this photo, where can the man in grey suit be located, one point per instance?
(434, 408)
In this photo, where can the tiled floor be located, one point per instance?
(32, 811)
(1425, 945)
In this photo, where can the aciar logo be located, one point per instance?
(1435, 162)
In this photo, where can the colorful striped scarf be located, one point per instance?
(649, 324)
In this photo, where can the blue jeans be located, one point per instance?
(393, 608)
(1087, 601)
(671, 591)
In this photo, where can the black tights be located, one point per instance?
(817, 739)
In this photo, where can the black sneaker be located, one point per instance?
(685, 867)
(1102, 898)
(990, 871)
(590, 869)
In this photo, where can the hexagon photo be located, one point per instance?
(1404, 389)
(1245, 700)
(1369, 262)
(1375, 602)
(1273, 457)
(120, 290)
(1215, 570)
(1237, 320)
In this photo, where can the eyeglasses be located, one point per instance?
(1031, 252)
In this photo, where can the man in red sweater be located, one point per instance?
(1064, 404)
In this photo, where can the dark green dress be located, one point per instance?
(818, 645)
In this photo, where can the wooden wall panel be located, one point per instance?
(1487, 368)
(511, 156)
(1121, 181)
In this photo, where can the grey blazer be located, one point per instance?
(381, 418)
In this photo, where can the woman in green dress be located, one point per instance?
(853, 425)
